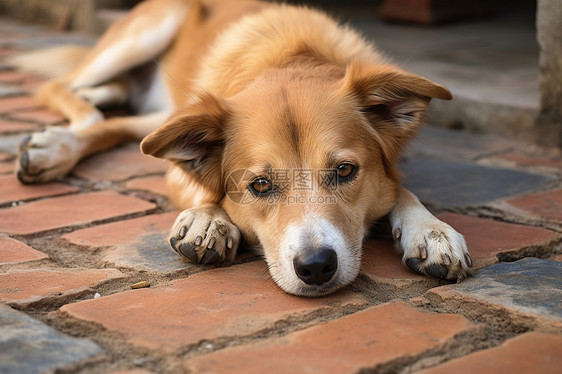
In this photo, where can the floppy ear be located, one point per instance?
(194, 139)
(392, 95)
(392, 101)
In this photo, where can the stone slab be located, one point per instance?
(455, 184)
(529, 290)
(434, 142)
(29, 346)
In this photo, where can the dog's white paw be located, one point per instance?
(433, 248)
(205, 235)
(47, 155)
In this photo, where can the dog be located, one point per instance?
(282, 126)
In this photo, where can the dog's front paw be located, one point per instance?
(434, 248)
(47, 155)
(205, 235)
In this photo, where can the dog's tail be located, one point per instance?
(50, 62)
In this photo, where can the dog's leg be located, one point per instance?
(47, 155)
(430, 246)
(205, 235)
(142, 35)
(114, 93)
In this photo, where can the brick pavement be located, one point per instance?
(70, 251)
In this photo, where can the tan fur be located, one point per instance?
(258, 89)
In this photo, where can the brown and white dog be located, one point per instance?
(282, 127)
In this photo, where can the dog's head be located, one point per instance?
(303, 162)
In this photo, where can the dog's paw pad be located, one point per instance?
(186, 250)
(210, 257)
(437, 271)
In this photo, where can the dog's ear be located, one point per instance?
(194, 139)
(393, 102)
(390, 96)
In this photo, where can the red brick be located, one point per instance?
(32, 84)
(71, 210)
(547, 205)
(529, 353)
(363, 340)
(39, 115)
(18, 103)
(5, 156)
(5, 168)
(558, 258)
(119, 164)
(226, 302)
(13, 251)
(12, 190)
(487, 238)
(24, 287)
(528, 160)
(383, 263)
(7, 126)
(155, 184)
(13, 76)
(121, 233)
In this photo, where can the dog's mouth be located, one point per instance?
(315, 272)
(296, 286)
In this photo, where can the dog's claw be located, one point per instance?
(423, 252)
(182, 232)
(446, 259)
(468, 259)
(24, 161)
(24, 142)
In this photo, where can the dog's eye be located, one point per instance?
(345, 172)
(260, 186)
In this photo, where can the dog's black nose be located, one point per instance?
(316, 266)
